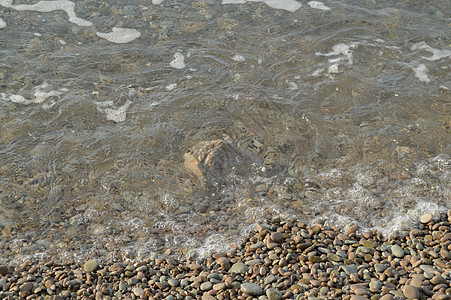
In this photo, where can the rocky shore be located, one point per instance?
(282, 259)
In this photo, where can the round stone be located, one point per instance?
(426, 218)
(139, 292)
(276, 237)
(252, 289)
(411, 292)
(386, 297)
(273, 294)
(352, 228)
(90, 265)
(397, 251)
(173, 282)
(239, 268)
(206, 286)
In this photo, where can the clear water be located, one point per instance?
(336, 111)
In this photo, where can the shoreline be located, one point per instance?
(280, 260)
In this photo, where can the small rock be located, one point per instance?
(437, 280)
(252, 289)
(26, 287)
(349, 269)
(273, 294)
(386, 297)
(206, 286)
(173, 282)
(411, 292)
(139, 292)
(239, 268)
(397, 251)
(276, 237)
(90, 265)
(208, 297)
(3, 270)
(426, 218)
(352, 229)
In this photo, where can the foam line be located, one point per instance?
(49, 6)
(289, 5)
(2, 23)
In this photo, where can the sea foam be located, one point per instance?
(289, 5)
(120, 35)
(2, 23)
(318, 5)
(49, 6)
(40, 95)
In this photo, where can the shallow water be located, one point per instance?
(326, 111)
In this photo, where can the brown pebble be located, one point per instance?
(3, 270)
(386, 297)
(411, 292)
(416, 282)
(352, 228)
(426, 218)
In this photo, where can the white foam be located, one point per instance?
(421, 72)
(289, 5)
(178, 62)
(39, 96)
(436, 53)
(49, 6)
(318, 5)
(238, 58)
(120, 35)
(341, 49)
(171, 86)
(2, 23)
(115, 115)
(156, 2)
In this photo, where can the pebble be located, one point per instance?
(426, 218)
(411, 292)
(252, 289)
(206, 286)
(139, 292)
(397, 251)
(239, 268)
(91, 265)
(273, 294)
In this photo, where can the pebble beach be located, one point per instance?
(281, 259)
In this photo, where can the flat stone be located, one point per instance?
(208, 297)
(273, 294)
(379, 268)
(349, 269)
(411, 292)
(252, 289)
(426, 218)
(352, 228)
(437, 280)
(417, 282)
(206, 286)
(139, 292)
(428, 268)
(368, 243)
(354, 297)
(334, 257)
(375, 285)
(90, 265)
(386, 297)
(397, 251)
(26, 287)
(270, 279)
(239, 268)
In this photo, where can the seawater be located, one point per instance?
(332, 111)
